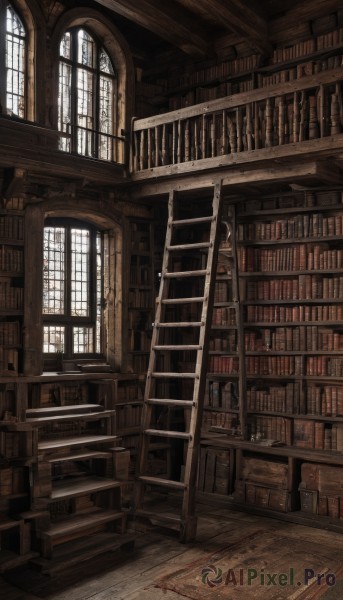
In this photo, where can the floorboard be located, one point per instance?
(158, 553)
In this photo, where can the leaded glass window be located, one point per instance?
(87, 92)
(15, 63)
(72, 288)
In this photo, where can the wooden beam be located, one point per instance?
(293, 21)
(240, 17)
(167, 20)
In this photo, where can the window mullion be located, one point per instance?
(67, 296)
(3, 9)
(74, 90)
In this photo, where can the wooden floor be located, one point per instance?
(137, 575)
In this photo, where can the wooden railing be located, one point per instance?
(305, 109)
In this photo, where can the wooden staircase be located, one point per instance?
(178, 359)
(73, 482)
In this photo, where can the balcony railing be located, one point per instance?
(305, 109)
(92, 143)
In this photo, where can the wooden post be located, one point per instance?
(164, 145)
(239, 124)
(249, 128)
(269, 123)
(149, 148)
(187, 141)
(157, 146)
(295, 117)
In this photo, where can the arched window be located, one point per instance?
(87, 96)
(14, 95)
(72, 288)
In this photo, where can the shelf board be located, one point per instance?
(221, 410)
(289, 273)
(303, 353)
(222, 375)
(293, 301)
(338, 419)
(320, 239)
(290, 210)
(267, 324)
(81, 486)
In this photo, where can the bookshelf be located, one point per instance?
(140, 294)
(294, 61)
(289, 457)
(11, 291)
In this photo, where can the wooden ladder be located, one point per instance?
(165, 332)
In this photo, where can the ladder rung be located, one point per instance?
(170, 402)
(183, 324)
(178, 274)
(196, 246)
(183, 300)
(179, 347)
(182, 435)
(198, 273)
(170, 375)
(191, 221)
(179, 485)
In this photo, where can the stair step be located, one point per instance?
(170, 402)
(64, 410)
(177, 347)
(171, 375)
(179, 222)
(197, 246)
(80, 523)
(183, 300)
(179, 274)
(182, 324)
(80, 456)
(92, 416)
(182, 435)
(168, 518)
(169, 483)
(70, 442)
(73, 552)
(80, 486)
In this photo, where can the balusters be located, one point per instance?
(213, 135)
(164, 145)
(281, 123)
(187, 141)
(232, 135)
(196, 139)
(335, 125)
(296, 115)
(179, 141)
(303, 117)
(269, 123)
(224, 148)
(239, 126)
(149, 148)
(321, 111)
(141, 150)
(249, 127)
(257, 133)
(313, 128)
(203, 137)
(157, 146)
(174, 143)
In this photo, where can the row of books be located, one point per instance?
(221, 395)
(12, 481)
(224, 315)
(140, 340)
(324, 400)
(275, 365)
(11, 259)
(289, 258)
(128, 415)
(140, 298)
(294, 200)
(10, 297)
(9, 333)
(11, 227)
(324, 365)
(304, 69)
(227, 342)
(222, 292)
(275, 428)
(296, 227)
(294, 339)
(228, 421)
(293, 314)
(275, 398)
(140, 275)
(129, 393)
(303, 287)
(8, 361)
(223, 364)
(317, 434)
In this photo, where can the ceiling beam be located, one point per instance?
(242, 18)
(170, 22)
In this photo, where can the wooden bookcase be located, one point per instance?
(140, 294)
(11, 291)
(290, 270)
